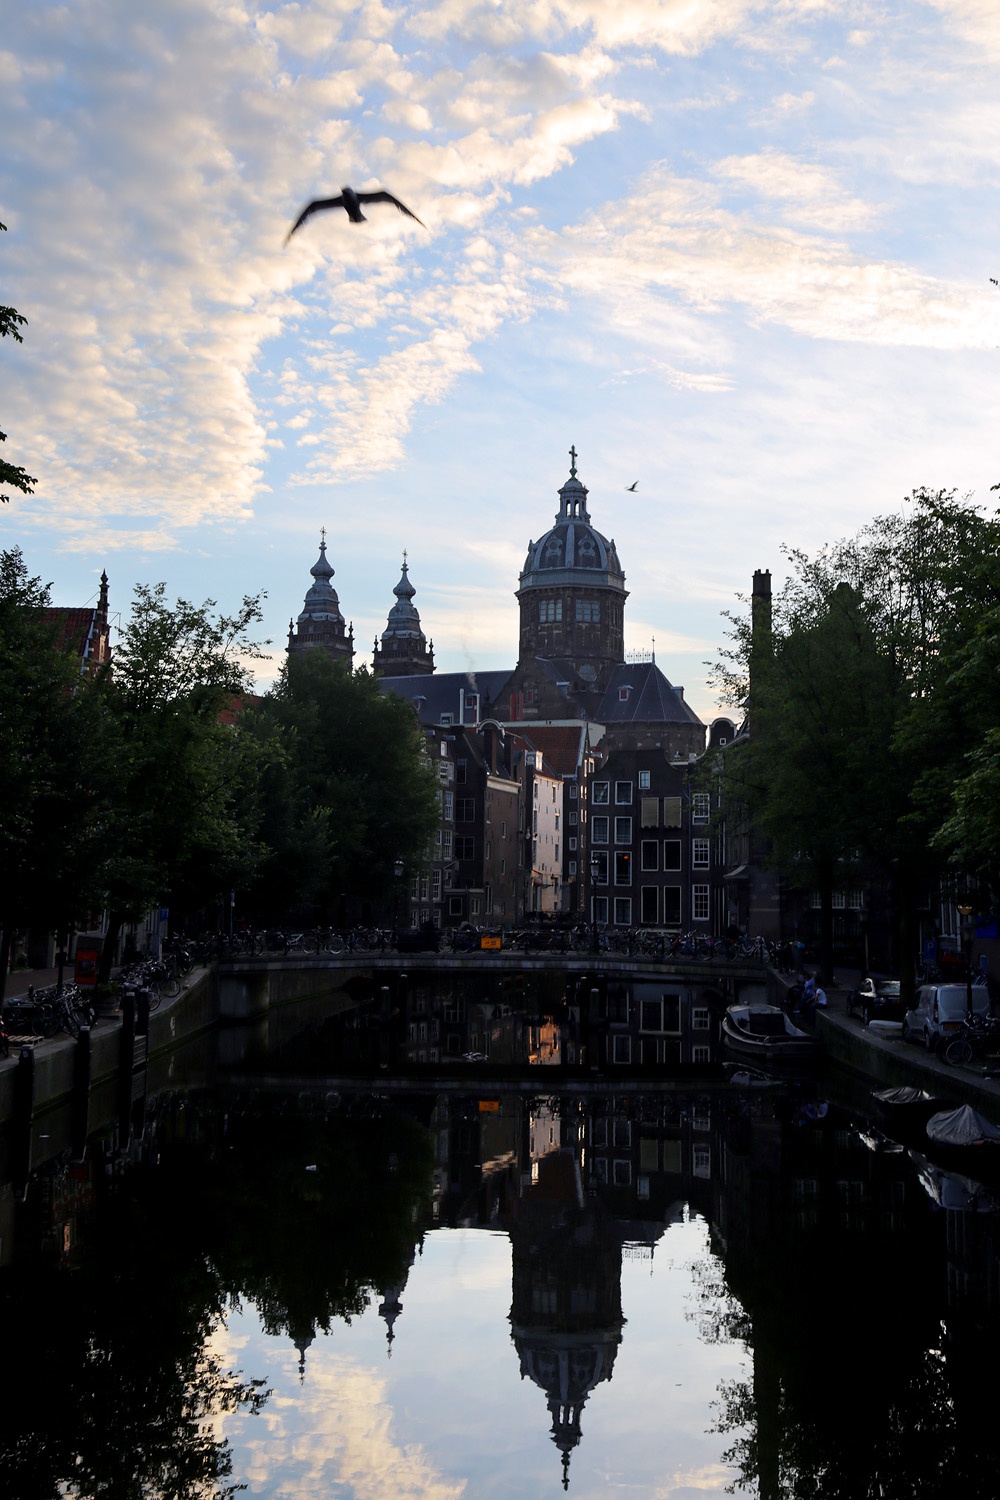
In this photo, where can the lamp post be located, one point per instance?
(595, 867)
(965, 912)
(397, 871)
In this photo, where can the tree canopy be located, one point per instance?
(11, 322)
(874, 733)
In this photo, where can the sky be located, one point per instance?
(736, 251)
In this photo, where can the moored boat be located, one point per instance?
(766, 1033)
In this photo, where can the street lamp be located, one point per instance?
(595, 869)
(965, 912)
(397, 871)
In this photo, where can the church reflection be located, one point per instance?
(839, 1260)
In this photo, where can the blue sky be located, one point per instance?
(739, 252)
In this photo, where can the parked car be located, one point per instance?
(879, 1004)
(940, 1012)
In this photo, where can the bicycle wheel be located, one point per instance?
(953, 1052)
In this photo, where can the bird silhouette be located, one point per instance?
(351, 201)
(631, 487)
(994, 281)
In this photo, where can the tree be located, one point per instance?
(173, 834)
(10, 322)
(864, 709)
(348, 789)
(50, 767)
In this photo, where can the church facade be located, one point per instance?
(572, 715)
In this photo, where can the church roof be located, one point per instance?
(573, 551)
(638, 693)
(445, 693)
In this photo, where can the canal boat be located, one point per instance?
(905, 1110)
(964, 1140)
(765, 1032)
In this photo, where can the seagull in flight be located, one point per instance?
(351, 201)
(631, 488)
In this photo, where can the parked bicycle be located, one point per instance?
(977, 1042)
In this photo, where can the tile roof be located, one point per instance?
(638, 693)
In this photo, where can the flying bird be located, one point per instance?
(631, 487)
(351, 201)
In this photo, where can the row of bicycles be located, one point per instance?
(45, 1013)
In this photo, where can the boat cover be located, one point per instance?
(962, 1127)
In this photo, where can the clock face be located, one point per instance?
(588, 672)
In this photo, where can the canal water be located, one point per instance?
(299, 1286)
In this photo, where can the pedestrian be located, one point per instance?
(819, 997)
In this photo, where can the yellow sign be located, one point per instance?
(490, 942)
(489, 1106)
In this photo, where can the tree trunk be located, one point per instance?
(115, 920)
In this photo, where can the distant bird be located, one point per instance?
(994, 281)
(631, 487)
(351, 202)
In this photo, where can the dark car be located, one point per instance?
(878, 1000)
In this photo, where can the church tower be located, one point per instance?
(321, 623)
(572, 600)
(404, 651)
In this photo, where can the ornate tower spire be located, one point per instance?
(321, 622)
(404, 651)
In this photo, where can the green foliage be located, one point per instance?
(50, 765)
(12, 474)
(871, 712)
(177, 771)
(346, 788)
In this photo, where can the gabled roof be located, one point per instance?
(638, 693)
(442, 693)
(561, 745)
(79, 631)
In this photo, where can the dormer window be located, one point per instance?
(623, 694)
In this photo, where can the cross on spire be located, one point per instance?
(572, 462)
(322, 533)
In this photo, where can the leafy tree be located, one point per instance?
(10, 322)
(173, 832)
(347, 791)
(50, 767)
(865, 731)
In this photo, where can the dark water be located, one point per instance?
(686, 1292)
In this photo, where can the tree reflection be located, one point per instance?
(112, 1386)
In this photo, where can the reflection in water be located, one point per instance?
(809, 1306)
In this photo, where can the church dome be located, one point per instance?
(573, 551)
(321, 602)
(404, 621)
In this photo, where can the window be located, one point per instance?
(700, 805)
(671, 854)
(446, 842)
(671, 812)
(699, 903)
(475, 906)
(650, 812)
(574, 817)
(599, 794)
(465, 846)
(465, 810)
(599, 830)
(448, 804)
(461, 771)
(837, 900)
(671, 905)
(621, 1049)
(644, 781)
(436, 894)
(623, 830)
(649, 851)
(588, 610)
(572, 842)
(573, 791)
(623, 793)
(623, 867)
(572, 868)
(454, 906)
(699, 853)
(622, 1173)
(623, 693)
(601, 907)
(700, 1018)
(648, 904)
(623, 911)
(663, 1014)
(549, 610)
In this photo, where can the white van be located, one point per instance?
(940, 1012)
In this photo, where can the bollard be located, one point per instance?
(82, 1065)
(24, 1109)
